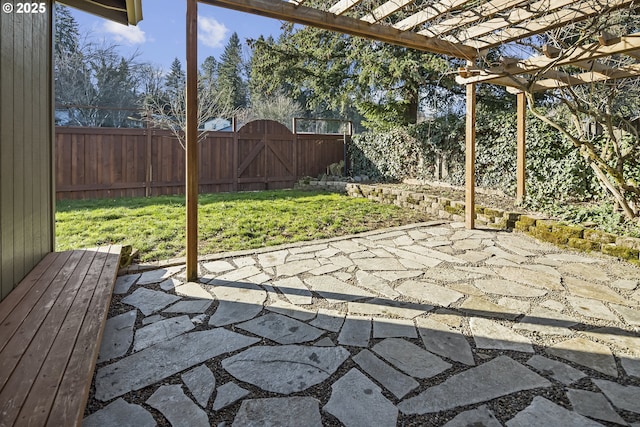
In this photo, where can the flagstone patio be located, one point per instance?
(429, 324)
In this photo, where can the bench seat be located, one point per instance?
(51, 327)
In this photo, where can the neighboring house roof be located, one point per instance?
(121, 11)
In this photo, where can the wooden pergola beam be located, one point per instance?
(191, 145)
(343, 6)
(548, 21)
(344, 24)
(386, 9)
(587, 78)
(515, 19)
(484, 11)
(428, 13)
(536, 64)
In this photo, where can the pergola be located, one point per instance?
(464, 29)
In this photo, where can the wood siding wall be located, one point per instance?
(107, 162)
(26, 205)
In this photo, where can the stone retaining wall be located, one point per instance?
(545, 229)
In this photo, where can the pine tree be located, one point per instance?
(208, 76)
(66, 30)
(176, 79)
(230, 83)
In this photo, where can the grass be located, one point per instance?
(227, 221)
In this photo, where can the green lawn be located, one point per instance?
(229, 221)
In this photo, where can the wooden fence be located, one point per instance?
(110, 162)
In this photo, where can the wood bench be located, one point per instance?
(51, 327)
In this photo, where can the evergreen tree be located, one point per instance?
(208, 76)
(334, 73)
(231, 85)
(66, 30)
(176, 79)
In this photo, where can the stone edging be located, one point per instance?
(573, 236)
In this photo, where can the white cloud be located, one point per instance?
(122, 33)
(211, 32)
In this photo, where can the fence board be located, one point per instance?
(110, 162)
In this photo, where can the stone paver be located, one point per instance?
(296, 267)
(396, 382)
(586, 353)
(336, 291)
(177, 407)
(376, 284)
(444, 341)
(492, 335)
(631, 365)
(157, 276)
(161, 331)
(544, 413)
(508, 288)
(420, 319)
(170, 284)
(201, 383)
(386, 307)
(557, 370)
(217, 266)
(294, 290)
(498, 377)
(630, 315)
(622, 397)
(355, 331)
(481, 416)
(429, 292)
(593, 405)
(540, 279)
(357, 401)
(117, 336)
(192, 290)
(228, 394)
(281, 329)
(120, 413)
(287, 309)
(589, 290)
(591, 308)
(329, 320)
(484, 308)
(148, 301)
(189, 306)
(544, 321)
(373, 264)
(384, 327)
(622, 339)
(124, 283)
(300, 411)
(162, 360)
(285, 369)
(410, 358)
(238, 302)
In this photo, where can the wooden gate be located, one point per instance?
(265, 156)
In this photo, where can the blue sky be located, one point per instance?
(160, 36)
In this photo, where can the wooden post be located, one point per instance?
(148, 171)
(234, 128)
(470, 157)
(192, 140)
(522, 139)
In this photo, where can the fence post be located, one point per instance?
(148, 174)
(235, 153)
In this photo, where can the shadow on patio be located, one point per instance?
(410, 326)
